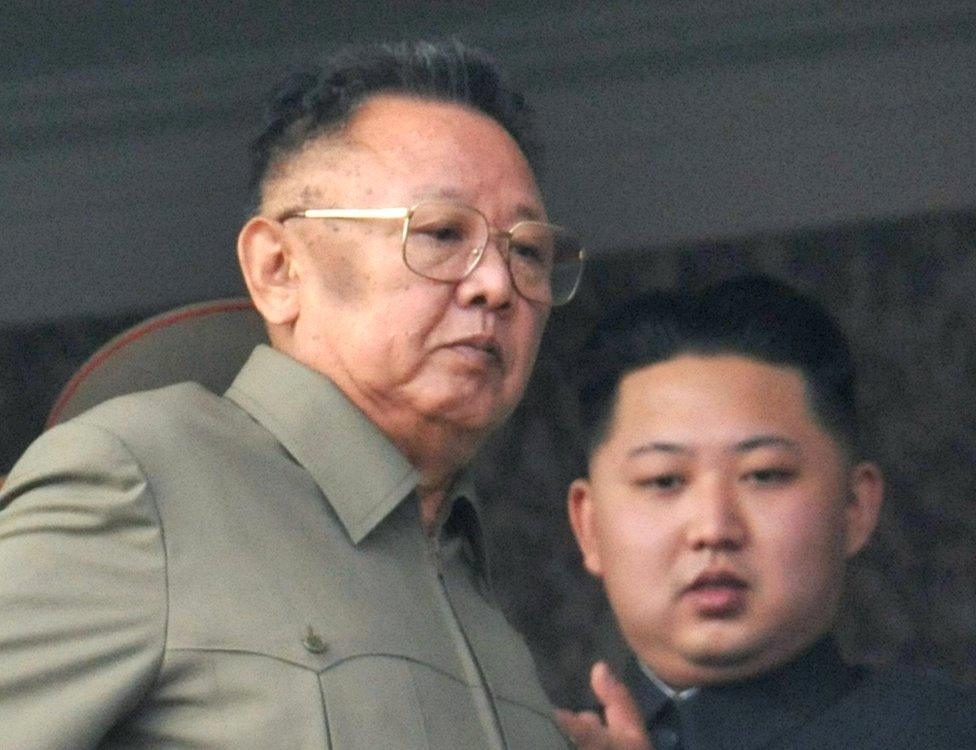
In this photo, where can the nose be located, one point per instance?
(715, 520)
(489, 284)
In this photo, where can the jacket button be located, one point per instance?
(313, 642)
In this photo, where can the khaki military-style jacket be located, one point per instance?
(183, 570)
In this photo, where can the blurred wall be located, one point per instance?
(122, 146)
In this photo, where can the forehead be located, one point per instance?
(714, 399)
(397, 150)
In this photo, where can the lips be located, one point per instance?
(484, 345)
(713, 578)
(717, 593)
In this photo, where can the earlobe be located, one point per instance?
(581, 518)
(268, 267)
(864, 505)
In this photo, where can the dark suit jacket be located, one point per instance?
(816, 702)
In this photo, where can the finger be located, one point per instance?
(584, 728)
(623, 717)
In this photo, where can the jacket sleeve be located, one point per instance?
(82, 590)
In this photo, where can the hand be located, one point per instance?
(623, 728)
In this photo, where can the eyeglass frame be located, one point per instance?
(406, 213)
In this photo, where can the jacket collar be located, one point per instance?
(753, 713)
(360, 471)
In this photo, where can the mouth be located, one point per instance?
(482, 347)
(716, 593)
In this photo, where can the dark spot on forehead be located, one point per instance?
(310, 194)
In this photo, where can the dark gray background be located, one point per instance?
(830, 144)
(124, 124)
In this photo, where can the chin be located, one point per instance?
(725, 647)
(474, 409)
(725, 659)
(474, 420)
(472, 414)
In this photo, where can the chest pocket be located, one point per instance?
(383, 697)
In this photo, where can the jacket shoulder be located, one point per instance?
(171, 405)
(896, 708)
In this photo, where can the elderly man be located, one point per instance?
(298, 563)
(725, 494)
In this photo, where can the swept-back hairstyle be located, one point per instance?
(322, 100)
(752, 316)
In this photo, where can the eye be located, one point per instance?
(532, 244)
(529, 253)
(662, 483)
(771, 476)
(443, 232)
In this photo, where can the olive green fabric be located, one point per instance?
(183, 570)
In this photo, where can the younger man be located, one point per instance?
(725, 494)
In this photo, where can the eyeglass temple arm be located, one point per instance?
(354, 213)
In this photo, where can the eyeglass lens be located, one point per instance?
(445, 240)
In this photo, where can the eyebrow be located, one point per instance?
(658, 448)
(524, 211)
(744, 446)
(763, 441)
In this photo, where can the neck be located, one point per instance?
(436, 479)
(438, 451)
(437, 446)
(674, 693)
(431, 502)
(680, 674)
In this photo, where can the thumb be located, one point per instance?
(623, 717)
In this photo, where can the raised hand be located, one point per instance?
(622, 727)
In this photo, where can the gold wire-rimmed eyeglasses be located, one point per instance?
(445, 241)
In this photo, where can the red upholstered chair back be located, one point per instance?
(206, 342)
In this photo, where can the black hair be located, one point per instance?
(321, 100)
(753, 316)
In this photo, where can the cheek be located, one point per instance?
(344, 286)
(637, 577)
(403, 320)
(526, 333)
(403, 327)
(417, 323)
(338, 276)
(803, 555)
(635, 549)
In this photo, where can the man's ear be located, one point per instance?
(582, 519)
(269, 269)
(863, 505)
